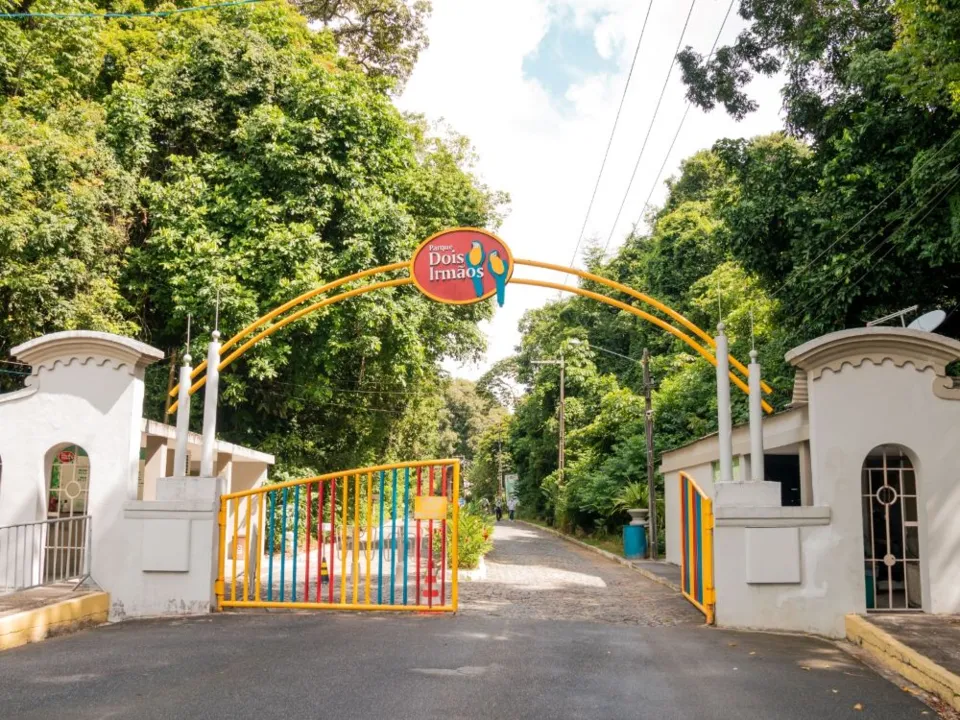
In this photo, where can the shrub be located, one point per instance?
(475, 537)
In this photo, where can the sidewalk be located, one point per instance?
(41, 612)
(925, 649)
(663, 572)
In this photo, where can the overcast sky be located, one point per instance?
(535, 85)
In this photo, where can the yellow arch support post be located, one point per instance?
(643, 297)
(706, 354)
(289, 319)
(287, 305)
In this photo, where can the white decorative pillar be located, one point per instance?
(756, 421)
(724, 421)
(183, 419)
(210, 393)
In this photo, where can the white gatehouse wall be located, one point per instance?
(801, 567)
(153, 544)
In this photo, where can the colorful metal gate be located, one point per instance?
(348, 540)
(696, 539)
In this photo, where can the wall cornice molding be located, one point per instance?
(900, 347)
(85, 347)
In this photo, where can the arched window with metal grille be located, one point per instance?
(891, 530)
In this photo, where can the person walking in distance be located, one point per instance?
(512, 506)
(498, 509)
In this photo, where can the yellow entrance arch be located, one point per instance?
(246, 338)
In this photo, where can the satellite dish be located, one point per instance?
(928, 322)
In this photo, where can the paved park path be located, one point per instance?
(532, 574)
(554, 632)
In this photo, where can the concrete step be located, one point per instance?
(36, 614)
(924, 649)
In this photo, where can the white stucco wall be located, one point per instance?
(86, 389)
(857, 409)
(810, 605)
(172, 546)
(867, 387)
(154, 557)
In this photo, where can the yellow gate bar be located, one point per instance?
(286, 321)
(614, 285)
(296, 301)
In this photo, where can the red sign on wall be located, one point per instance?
(66, 456)
(461, 266)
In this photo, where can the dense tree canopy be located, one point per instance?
(151, 164)
(383, 36)
(850, 214)
(254, 152)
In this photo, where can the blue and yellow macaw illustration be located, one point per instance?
(475, 259)
(498, 268)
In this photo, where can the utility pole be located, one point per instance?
(561, 411)
(167, 399)
(500, 461)
(563, 430)
(651, 478)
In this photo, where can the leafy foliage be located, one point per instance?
(153, 164)
(475, 537)
(383, 36)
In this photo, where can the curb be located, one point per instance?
(475, 574)
(609, 555)
(57, 618)
(904, 660)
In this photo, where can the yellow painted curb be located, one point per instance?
(55, 619)
(904, 660)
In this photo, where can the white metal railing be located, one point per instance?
(44, 552)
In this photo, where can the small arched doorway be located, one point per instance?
(67, 530)
(891, 530)
(68, 489)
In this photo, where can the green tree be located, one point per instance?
(384, 36)
(928, 51)
(158, 162)
(857, 213)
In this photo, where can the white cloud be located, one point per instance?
(547, 157)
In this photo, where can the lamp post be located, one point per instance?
(648, 427)
(561, 454)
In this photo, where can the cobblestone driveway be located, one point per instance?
(531, 574)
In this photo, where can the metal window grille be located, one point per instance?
(891, 531)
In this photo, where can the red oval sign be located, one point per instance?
(66, 456)
(461, 266)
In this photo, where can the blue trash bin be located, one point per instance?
(634, 541)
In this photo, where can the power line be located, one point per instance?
(656, 111)
(653, 186)
(929, 206)
(795, 273)
(933, 200)
(109, 15)
(413, 393)
(663, 165)
(613, 130)
(892, 244)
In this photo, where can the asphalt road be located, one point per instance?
(491, 662)
(337, 665)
